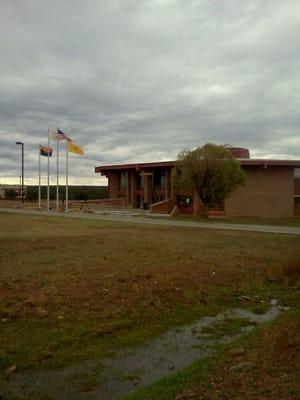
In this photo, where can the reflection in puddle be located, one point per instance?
(135, 367)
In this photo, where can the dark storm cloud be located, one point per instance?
(141, 80)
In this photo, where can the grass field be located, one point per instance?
(80, 289)
(280, 221)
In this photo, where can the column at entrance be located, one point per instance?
(128, 187)
(173, 189)
(168, 188)
(113, 184)
(133, 180)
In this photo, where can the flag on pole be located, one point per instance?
(73, 148)
(59, 135)
(46, 151)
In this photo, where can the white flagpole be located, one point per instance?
(39, 178)
(57, 174)
(67, 176)
(48, 187)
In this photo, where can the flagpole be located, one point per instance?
(48, 187)
(39, 178)
(67, 176)
(57, 175)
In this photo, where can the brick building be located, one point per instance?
(16, 188)
(272, 188)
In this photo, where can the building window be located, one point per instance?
(297, 202)
(123, 180)
(159, 178)
(296, 172)
(140, 182)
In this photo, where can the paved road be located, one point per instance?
(136, 219)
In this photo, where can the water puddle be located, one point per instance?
(137, 367)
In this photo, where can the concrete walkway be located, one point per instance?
(137, 219)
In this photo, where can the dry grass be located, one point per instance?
(269, 368)
(81, 286)
(292, 269)
(279, 221)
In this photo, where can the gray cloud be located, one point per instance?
(141, 80)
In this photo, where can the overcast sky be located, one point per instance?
(140, 80)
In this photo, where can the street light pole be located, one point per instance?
(22, 193)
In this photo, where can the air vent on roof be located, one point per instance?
(238, 152)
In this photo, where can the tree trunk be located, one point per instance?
(204, 210)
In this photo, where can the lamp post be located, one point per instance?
(22, 192)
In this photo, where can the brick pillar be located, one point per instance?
(173, 188)
(148, 189)
(128, 187)
(113, 185)
(169, 183)
(166, 183)
(133, 189)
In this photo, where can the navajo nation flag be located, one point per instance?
(59, 135)
(46, 151)
(73, 148)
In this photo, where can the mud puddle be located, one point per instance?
(137, 367)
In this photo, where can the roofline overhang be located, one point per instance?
(136, 166)
(161, 164)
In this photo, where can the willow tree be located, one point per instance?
(211, 171)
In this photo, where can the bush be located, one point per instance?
(81, 196)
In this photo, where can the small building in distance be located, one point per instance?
(272, 188)
(16, 188)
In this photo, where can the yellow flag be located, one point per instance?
(73, 148)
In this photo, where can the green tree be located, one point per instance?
(32, 193)
(210, 171)
(81, 196)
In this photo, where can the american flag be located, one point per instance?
(59, 135)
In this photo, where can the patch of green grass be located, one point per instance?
(59, 342)
(227, 327)
(260, 308)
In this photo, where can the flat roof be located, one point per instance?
(136, 166)
(243, 162)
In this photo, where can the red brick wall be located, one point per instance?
(297, 186)
(268, 192)
(165, 206)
